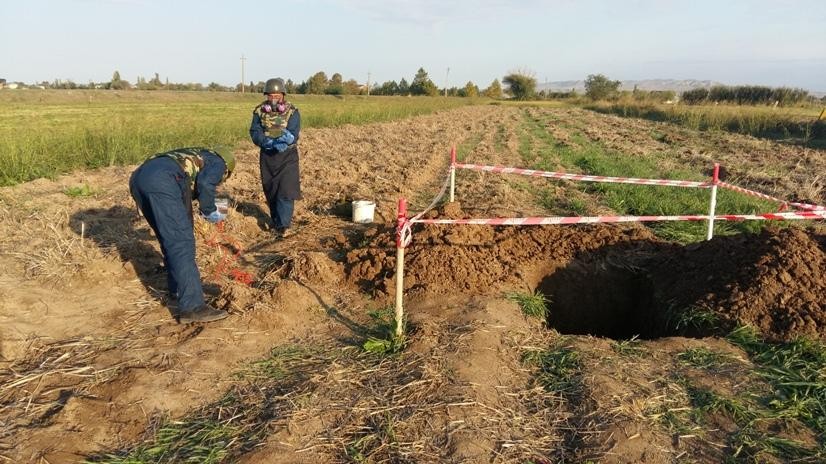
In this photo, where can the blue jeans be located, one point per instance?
(161, 190)
(283, 215)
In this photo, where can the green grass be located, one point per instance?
(51, 132)
(377, 434)
(797, 372)
(77, 191)
(499, 138)
(792, 398)
(706, 401)
(202, 441)
(382, 339)
(539, 150)
(465, 148)
(532, 304)
(797, 124)
(631, 347)
(235, 424)
(559, 368)
(703, 358)
(277, 365)
(692, 319)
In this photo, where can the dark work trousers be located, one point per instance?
(281, 182)
(161, 190)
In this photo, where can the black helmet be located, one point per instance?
(275, 86)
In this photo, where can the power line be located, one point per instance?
(242, 73)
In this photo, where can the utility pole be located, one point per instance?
(243, 89)
(447, 74)
(368, 83)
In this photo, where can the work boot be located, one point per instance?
(203, 313)
(282, 232)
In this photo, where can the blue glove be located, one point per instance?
(279, 143)
(286, 137)
(214, 217)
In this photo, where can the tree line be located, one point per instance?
(317, 84)
(519, 85)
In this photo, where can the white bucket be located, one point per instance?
(363, 211)
(222, 204)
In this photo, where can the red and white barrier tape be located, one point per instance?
(753, 193)
(404, 232)
(531, 221)
(582, 177)
(404, 226)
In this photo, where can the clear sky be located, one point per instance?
(776, 43)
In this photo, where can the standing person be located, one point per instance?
(163, 187)
(275, 128)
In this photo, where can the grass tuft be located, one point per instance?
(703, 358)
(80, 191)
(631, 347)
(560, 368)
(693, 319)
(532, 304)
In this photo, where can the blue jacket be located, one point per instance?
(208, 179)
(261, 140)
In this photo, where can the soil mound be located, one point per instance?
(479, 259)
(774, 281)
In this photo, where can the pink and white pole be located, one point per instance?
(401, 222)
(452, 172)
(714, 181)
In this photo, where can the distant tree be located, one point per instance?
(598, 87)
(469, 90)
(388, 88)
(494, 90)
(334, 86)
(317, 84)
(404, 87)
(351, 87)
(117, 83)
(521, 85)
(422, 85)
(290, 86)
(155, 82)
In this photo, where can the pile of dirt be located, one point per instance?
(774, 281)
(479, 259)
(616, 281)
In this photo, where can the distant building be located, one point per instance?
(2, 83)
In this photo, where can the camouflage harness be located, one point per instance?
(189, 159)
(274, 123)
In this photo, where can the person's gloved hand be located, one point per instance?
(286, 137)
(279, 143)
(268, 144)
(214, 217)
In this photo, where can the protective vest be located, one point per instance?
(273, 122)
(188, 158)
